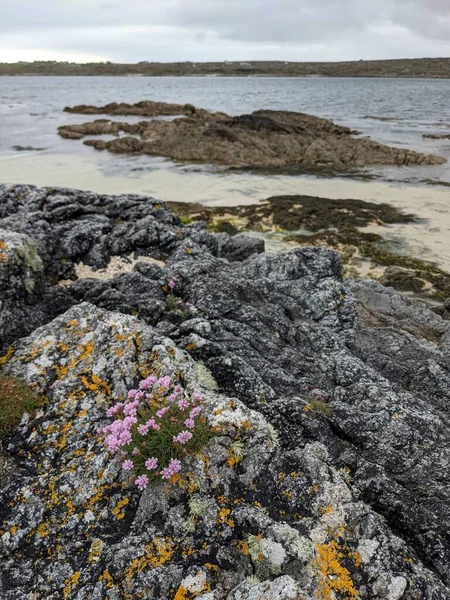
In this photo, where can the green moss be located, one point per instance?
(186, 220)
(16, 398)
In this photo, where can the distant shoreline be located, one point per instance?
(235, 76)
(421, 68)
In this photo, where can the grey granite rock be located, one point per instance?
(329, 478)
(74, 527)
(26, 301)
(239, 246)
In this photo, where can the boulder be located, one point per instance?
(239, 246)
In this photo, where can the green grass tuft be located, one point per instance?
(16, 398)
(320, 407)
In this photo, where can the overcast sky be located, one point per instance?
(204, 30)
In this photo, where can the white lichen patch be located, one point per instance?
(204, 376)
(194, 584)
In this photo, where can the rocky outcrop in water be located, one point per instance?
(146, 108)
(263, 139)
(329, 478)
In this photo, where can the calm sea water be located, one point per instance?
(31, 109)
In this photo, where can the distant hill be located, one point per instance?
(416, 67)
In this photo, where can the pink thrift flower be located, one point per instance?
(130, 409)
(190, 423)
(174, 467)
(132, 393)
(142, 482)
(182, 438)
(195, 412)
(156, 427)
(182, 404)
(143, 429)
(125, 438)
(127, 465)
(136, 451)
(151, 463)
(165, 381)
(172, 283)
(114, 409)
(197, 396)
(162, 412)
(146, 384)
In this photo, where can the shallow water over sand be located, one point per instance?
(428, 239)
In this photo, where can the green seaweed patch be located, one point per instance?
(16, 398)
(293, 213)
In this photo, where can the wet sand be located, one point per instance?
(428, 239)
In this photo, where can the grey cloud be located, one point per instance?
(73, 14)
(162, 30)
(318, 20)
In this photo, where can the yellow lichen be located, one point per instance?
(334, 577)
(106, 579)
(3, 253)
(156, 554)
(96, 384)
(70, 583)
(117, 510)
(223, 517)
(5, 358)
(244, 548)
(43, 530)
(233, 459)
(182, 594)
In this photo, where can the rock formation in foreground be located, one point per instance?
(329, 478)
(263, 139)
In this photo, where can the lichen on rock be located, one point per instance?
(284, 501)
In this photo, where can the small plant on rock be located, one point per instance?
(16, 398)
(155, 428)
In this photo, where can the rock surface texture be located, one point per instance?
(265, 138)
(329, 477)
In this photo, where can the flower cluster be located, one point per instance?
(154, 428)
